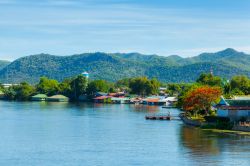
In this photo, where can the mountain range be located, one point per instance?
(115, 66)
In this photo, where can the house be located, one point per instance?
(102, 99)
(171, 101)
(57, 98)
(235, 108)
(155, 100)
(120, 100)
(39, 97)
(8, 85)
(97, 94)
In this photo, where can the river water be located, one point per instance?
(40, 133)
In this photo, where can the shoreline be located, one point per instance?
(229, 132)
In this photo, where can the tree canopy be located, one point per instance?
(201, 98)
(209, 79)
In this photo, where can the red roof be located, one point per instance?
(152, 100)
(101, 97)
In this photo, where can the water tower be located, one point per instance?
(85, 74)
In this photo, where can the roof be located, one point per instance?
(101, 97)
(102, 93)
(112, 94)
(222, 101)
(237, 103)
(58, 97)
(247, 97)
(247, 108)
(152, 100)
(171, 99)
(40, 96)
(119, 98)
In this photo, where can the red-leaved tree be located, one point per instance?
(201, 99)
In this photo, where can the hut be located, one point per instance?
(39, 97)
(58, 98)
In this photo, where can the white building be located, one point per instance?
(235, 108)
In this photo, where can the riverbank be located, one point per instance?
(235, 129)
(231, 132)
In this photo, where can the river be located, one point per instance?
(40, 133)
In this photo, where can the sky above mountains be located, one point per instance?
(164, 27)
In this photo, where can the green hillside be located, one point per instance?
(3, 64)
(116, 66)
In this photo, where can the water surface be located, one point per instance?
(40, 133)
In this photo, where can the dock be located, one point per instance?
(158, 117)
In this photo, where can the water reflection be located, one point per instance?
(198, 142)
(210, 148)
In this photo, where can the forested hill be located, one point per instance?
(111, 67)
(3, 64)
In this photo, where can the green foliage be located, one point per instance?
(240, 85)
(65, 87)
(10, 93)
(209, 79)
(97, 86)
(174, 88)
(113, 67)
(143, 86)
(1, 87)
(47, 86)
(79, 86)
(24, 91)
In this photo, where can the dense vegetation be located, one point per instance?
(113, 67)
(76, 86)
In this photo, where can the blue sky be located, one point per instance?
(163, 27)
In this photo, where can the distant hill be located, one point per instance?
(3, 64)
(112, 67)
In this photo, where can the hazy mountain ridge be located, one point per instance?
(4, 63)
(115, 66)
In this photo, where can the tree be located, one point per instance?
(79, 86)
(47, 86)
(9, 93)
(97, 86)
(174, 89)
(201, 98)
(65, 88)
(24, 91)
(240, 85)
(154, 86)
(142, 86)
(209, 79)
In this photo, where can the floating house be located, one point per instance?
(235, 108)
(154, 100)
(39, 97)
(171, 101)
(120, 100)
(57, 98)
(103, 99)
(97, 94)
